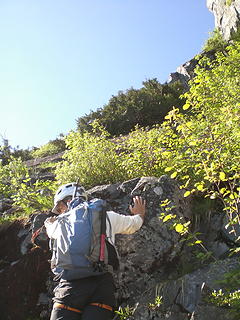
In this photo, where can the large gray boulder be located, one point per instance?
(145, 254)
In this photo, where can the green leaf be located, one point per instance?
(167, 217)
(200, 187)
(179, 228)
(186, 106)
(222, 190)
(166, 153)
(174, 174)
(222, 176)
(186, 194)
(168, 169)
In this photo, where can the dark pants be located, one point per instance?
(79, 294)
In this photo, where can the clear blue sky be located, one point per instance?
(59, 59)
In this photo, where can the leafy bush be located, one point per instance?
(51, 148)
(200, 148)
(26, 195)
(97, 159)
(31, 197)
(92, 157)
(215, 42)
(142, 153)
(204, 144)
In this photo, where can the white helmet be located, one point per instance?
(67, 190)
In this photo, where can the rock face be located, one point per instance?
(154, 260)
(190, 292)
(227, 15)
(184, 73)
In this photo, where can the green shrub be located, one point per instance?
(200, 148)
(16, 184)
(32, 197)
(92, 157)
(10, 173)
(204, 144)
(51, 148)
(142, 153)
(215, 42)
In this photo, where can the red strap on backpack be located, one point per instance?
(102, 236)
(36, 234)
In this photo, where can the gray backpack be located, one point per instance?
(81, 248)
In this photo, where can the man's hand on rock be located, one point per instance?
(138, 207)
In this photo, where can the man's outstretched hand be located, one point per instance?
(138, 207)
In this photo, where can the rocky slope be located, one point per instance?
(154, 261)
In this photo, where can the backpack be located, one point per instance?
(81, 248)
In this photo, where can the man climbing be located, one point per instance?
(86, 287)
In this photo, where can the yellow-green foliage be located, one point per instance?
(97, 159)
(50, 148)
(205, 142)
(12, 172)
(200, 148)
(125, 313)
(27, 196)
(92, 157)
(142, 153)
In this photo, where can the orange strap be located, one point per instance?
(100, 305)
(62, 306)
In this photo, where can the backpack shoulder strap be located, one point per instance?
(103, 235)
